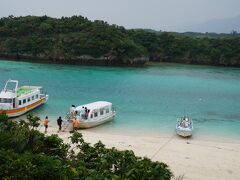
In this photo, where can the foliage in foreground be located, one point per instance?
(25, 153)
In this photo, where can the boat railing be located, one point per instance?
(42, 96)
(67, 117)
(70, 116)
(14, 89)
(66, 125)
(114, 108)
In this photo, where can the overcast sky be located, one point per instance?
(169, 15)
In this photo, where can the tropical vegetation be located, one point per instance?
(77, 40)
(66, 40)
(26, 153)
(181, 48)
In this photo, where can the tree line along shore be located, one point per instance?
(77, 40)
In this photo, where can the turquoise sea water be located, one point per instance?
(148, 100)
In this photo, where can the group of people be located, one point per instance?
(59, 122)
(184, 123)
(83, 113)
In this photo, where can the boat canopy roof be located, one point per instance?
(95, 105)
(11, 89)
(27, 89)
(185, 118)
(23, 90)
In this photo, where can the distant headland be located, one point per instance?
(77, 40)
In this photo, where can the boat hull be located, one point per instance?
(20, 111)
(184, 133)
(184, 127)
(84, 124)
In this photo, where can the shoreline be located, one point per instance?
(108, 129)
(154, 63)
(190, 158)
(113, 129)
(81, 62)
(106, 64)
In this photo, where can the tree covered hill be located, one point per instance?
(181, 48)
(77, 40)
(68, 40)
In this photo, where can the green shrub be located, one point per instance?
(25, 153)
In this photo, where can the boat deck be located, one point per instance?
(23, 90)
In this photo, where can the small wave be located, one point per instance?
(205, 120)
(233, 116)
(4, 70)
(227, 116)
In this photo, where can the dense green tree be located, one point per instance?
(66, 40)
(173, 47)
(78, 40)
(25, 153)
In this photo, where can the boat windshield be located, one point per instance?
(5, 100)
(11, 86)
(184, 123)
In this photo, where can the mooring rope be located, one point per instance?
(161, 147)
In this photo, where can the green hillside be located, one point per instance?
(77, 40)
(180, 48)
(67, 40)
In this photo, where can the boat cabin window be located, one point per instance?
(36, 96)
(33, 98)
(5, 100)
(107, 110)
(101, 111)
(24, 101)
(19, 102)
(28, 99)
(91, 115)
(95, 114)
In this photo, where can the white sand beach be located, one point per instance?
(190, 158)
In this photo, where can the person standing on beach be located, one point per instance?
(59, 122)
(75, 124)
(45, 122)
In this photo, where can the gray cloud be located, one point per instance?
(156, 14)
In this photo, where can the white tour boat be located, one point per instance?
(184, 127)
(97, 113)
(15, 101)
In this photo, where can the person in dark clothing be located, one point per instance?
(86, 112)
(59, 122)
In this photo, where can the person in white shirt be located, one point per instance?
(82, 112)
(72, 111)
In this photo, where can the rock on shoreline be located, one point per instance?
(78, 60)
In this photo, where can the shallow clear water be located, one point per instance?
(148, 100)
